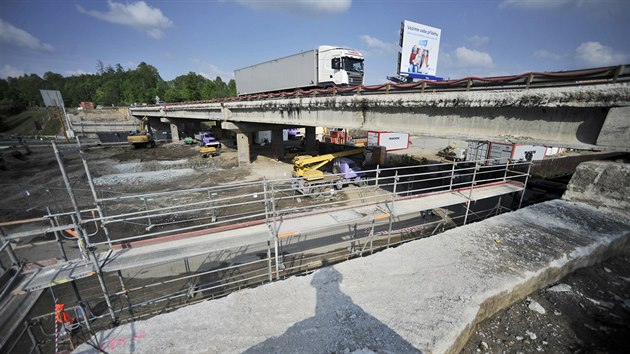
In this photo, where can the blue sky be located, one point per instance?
(212, 38)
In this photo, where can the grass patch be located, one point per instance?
(31, 122)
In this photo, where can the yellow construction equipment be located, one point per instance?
(142, 137)
(310, 180)
(209, 151)
(307, 166)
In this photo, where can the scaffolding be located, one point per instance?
(190, 245)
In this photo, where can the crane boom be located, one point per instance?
(308, 166)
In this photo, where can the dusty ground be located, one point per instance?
(589, 311)
(34, 182)
(586, 312)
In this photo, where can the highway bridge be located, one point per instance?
(585, 109)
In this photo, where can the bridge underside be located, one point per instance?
(576, 117)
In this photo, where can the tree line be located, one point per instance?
(110, 86)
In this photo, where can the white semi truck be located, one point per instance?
(326, 66)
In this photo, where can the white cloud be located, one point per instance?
(302, 7)
(545, 54)
(537, 4)
(211, 71)
(378, 45)
(470, 58)
(478, 41)
(138, 15)
(77, 72)
(9, 71)
(596, 54)
(14, 36)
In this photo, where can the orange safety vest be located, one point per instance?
(61, 316)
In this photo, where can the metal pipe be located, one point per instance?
(391, 210)
(68, 186)
(89, 327)
(450, 187)
(8, 287)
(275, 245)
(472, 185)
(146, 207)
(275, 231)
(507, 166)
(123, 288)
(520, 203)
(81, 233)
(9, 248)
(269, 261)
(266, 201)
(33, 339)
(53, 221)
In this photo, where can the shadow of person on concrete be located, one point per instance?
(338, 326)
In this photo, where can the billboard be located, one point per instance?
(52, 98)
(420, 46)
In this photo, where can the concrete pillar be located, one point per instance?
(277, 144)
(242, 145)
(175, 132)
(310, 141)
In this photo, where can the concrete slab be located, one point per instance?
(424, 296)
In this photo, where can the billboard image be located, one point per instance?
(420, 46)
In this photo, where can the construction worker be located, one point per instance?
(67, 322)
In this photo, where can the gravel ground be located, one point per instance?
(586, 312)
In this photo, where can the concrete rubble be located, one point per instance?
(424, 296)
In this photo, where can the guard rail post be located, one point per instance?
(391, 210)
(529, 166)
(472, 185)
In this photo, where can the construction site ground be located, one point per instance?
(590, 317)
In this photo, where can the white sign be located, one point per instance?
(52, 98)
(420, 47)
(391, 141)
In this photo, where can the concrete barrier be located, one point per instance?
(601, 183)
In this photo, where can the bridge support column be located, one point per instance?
(175, 132)
(310, 139)
(242, 146)
(277, 143)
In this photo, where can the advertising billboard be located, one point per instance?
(420, 46)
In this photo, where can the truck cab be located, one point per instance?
(207, 139)
(339, 66)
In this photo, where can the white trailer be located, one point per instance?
(262, 137)
(528, 152)
(391, 141)
(325, 66)
(500, 152)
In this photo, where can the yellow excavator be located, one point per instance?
(309, 180)
(142, 137)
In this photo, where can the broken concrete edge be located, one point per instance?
(601, 183)
(588, 256)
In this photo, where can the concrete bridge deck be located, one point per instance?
(424, 296)
(582, 117)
